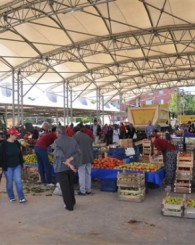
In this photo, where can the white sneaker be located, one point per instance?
(22, 200)
(12, 200)
(50, 185)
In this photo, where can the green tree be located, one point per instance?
(186, 104)
(173, 104)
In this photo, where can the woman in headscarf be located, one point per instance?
(169, 153)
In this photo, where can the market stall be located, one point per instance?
(150, 177)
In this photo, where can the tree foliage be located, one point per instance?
(182, 104)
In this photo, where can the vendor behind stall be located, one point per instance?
(169, 153)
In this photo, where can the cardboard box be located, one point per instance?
(126, 143)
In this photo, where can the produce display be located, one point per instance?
(173, 200)
(107, 163)
(189, 208)
(183, 154)
(138, 166)
(190, 203)
(173, 206)
(32, 158)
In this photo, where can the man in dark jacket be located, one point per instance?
(84, 171)
(96, 128)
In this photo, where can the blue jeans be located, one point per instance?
(14, 175)
(43, 165)
(84, 172)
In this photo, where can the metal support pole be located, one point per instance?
(120, 105)
(102, 110)
(137, 102)
(13, 100)
(71, 118)
(98, 102)
(18, 98)
(64, 102)
(67, 103)
(22, 104)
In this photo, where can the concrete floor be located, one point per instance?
(97, 219)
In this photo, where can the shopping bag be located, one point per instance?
(135, 136)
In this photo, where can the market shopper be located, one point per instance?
(66, 162)
(44, 129)
(84, 170)
(169, 153)
(109, 135)
(96, 128)
(11, 161)
(149, 129)
(116, 133)
(130, 131)
(41, 150)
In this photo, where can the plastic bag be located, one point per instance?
(135, 136)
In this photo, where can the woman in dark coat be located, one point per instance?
(11, 161)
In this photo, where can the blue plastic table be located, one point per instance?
(151, 177)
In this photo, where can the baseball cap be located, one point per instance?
(13, 131)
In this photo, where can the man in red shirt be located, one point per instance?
(169, 153)
(41, 151)
(69, 130)
(88, 132)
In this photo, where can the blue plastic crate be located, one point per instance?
(109, 185)
(134, 158)
(118, 153)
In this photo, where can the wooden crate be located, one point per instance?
(145, 158)
(158, 161)
(128, 194)
(131, 180)
(182, 189)
(182, 183)
(172, 209)
(184, 175)
(189, 210)
(185, 161)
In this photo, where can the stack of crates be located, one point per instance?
(190, 144)
(147, 149)
(184, 173)
(179, 143)
(131, 186)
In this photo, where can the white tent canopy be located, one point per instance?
(110, 49)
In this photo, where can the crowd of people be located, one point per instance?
(73, 152)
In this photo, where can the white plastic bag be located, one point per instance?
(135, 136)
(129, 151)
